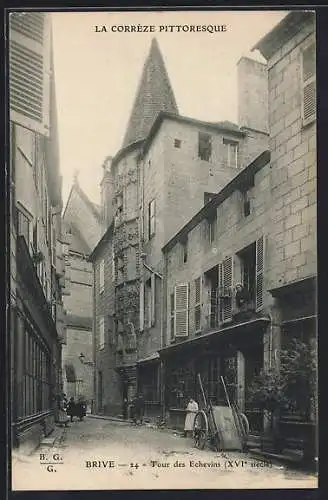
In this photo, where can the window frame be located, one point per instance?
(151, 218)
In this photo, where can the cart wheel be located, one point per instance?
(200, 431)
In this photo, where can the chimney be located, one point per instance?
(252, 94)
(107, 193)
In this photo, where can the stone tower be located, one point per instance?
(154, 94)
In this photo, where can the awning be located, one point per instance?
(152, 357)
(297, 286)
(216, 334)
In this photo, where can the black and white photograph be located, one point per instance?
(162, 249)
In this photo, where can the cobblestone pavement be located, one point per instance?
(102, 454)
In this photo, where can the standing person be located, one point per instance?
(71, 408)
(62, 414)
(125, 408)
(192, 409)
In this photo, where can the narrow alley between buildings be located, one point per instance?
(100, 454)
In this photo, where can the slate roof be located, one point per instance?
(154, 94)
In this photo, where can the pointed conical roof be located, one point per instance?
(154, 94)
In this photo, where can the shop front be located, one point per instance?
(233, 353)
(149, 379)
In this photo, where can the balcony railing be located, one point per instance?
(221, 305)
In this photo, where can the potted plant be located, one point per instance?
(298, 364)
(267, 392)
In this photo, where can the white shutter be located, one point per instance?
(29, 70)
(142, 306)
(153, 295)
(219, 293)
(308, 84)
(259, 272)
(227, 266)
(172, 316)
(181, 300)
(198, 303)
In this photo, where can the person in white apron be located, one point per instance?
(192, 409)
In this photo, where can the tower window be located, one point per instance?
(177, 143)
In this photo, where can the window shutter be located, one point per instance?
(172, 315)
(153, 295)
(219, 294)
(198, 304)
(259, 272)
(142, 306)
(29, 70)
(181, 310)
(309, 84)
(227, 267)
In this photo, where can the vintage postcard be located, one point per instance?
(163, 321)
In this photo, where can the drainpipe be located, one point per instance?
(161, 277)
(270, 340)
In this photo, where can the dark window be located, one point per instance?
(204, 146)
(177, 143)
(248, 269)
(212, 225)
(246, 204)
(23, 226)
(184, 245)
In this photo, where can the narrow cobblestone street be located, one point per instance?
(103, 454)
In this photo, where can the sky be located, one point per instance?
(97, 74)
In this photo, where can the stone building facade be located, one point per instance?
(37, 321)
(259, 231)
(82, 223)
(150, 188)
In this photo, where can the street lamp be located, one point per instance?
(84, 361)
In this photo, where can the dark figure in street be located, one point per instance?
(71, 408)
(81, 409)
(125, 408)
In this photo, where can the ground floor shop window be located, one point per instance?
(37, 377)
(149, 383)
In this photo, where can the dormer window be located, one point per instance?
(204, 146)
(231, 153)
